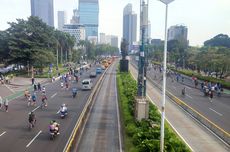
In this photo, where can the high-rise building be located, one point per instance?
(44, 10)
(114, 41)
(62, 19)
(75, 18)
(76, 30)
(178, 32)
(129, 25)
(89, 14)
(102, 38)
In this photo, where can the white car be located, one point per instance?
(87, 84)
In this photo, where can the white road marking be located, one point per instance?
(35, 109)
(189, 96)
(188, 87)
(53, 95)
(33, 139)
(3, 133)
(118, 118)
(216, 112)
(9, 88)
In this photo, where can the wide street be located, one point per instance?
(15, 134)
(217, 111)
(102, 131)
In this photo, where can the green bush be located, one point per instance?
(143, 136)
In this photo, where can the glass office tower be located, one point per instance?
(88, 12)
(44, 9)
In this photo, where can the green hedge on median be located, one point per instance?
(143, 136)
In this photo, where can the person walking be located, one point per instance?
(6, 104)
(0, 102)
(210, 95)
(39, 86)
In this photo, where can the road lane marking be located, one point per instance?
(216, 112)
(3, 133)
(118, 118)
(33, 139)
(35, 109)
(189, 96)
(9, 88)
(53, 95)
(188, 87)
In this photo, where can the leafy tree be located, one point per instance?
(219, 40)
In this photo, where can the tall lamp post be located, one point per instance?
(166, 2)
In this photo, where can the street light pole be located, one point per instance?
(166, 2)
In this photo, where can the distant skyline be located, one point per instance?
(204, 18)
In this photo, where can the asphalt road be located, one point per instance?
(14, 132)
(217, 110)
(101, 133)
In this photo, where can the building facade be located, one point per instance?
(178, 32)
(129, 25)
(102, 38)
(78, 31)
(62, 19)
(114, 41)
(89, 16)
(44, 9)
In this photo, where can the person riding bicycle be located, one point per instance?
(183, 91)
(32, 118)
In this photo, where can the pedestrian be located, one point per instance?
(39, 86)
(0, 102)
(35, 87)
(6, 104)
(210, 95)
(32, 80)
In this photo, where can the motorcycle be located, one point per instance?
(63, 113)
(74, 94)
(53, 134)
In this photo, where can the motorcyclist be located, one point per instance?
(54, 127)
(63, 108)
(32, 118)
(74, 91)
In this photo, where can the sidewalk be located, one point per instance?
(17, 86)
(196, 136)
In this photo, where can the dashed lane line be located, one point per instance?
(216, 112)
(33, 139)
(53, 95)
(2, 133)
(189, 96)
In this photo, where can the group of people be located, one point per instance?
(53, 126)
(32, 99)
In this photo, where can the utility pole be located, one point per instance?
(142, 107)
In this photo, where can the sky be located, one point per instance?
(203, 18)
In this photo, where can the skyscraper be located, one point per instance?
(88, 12)
(178, 32)
(62, 19)
(129, 25)
(44, 10)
